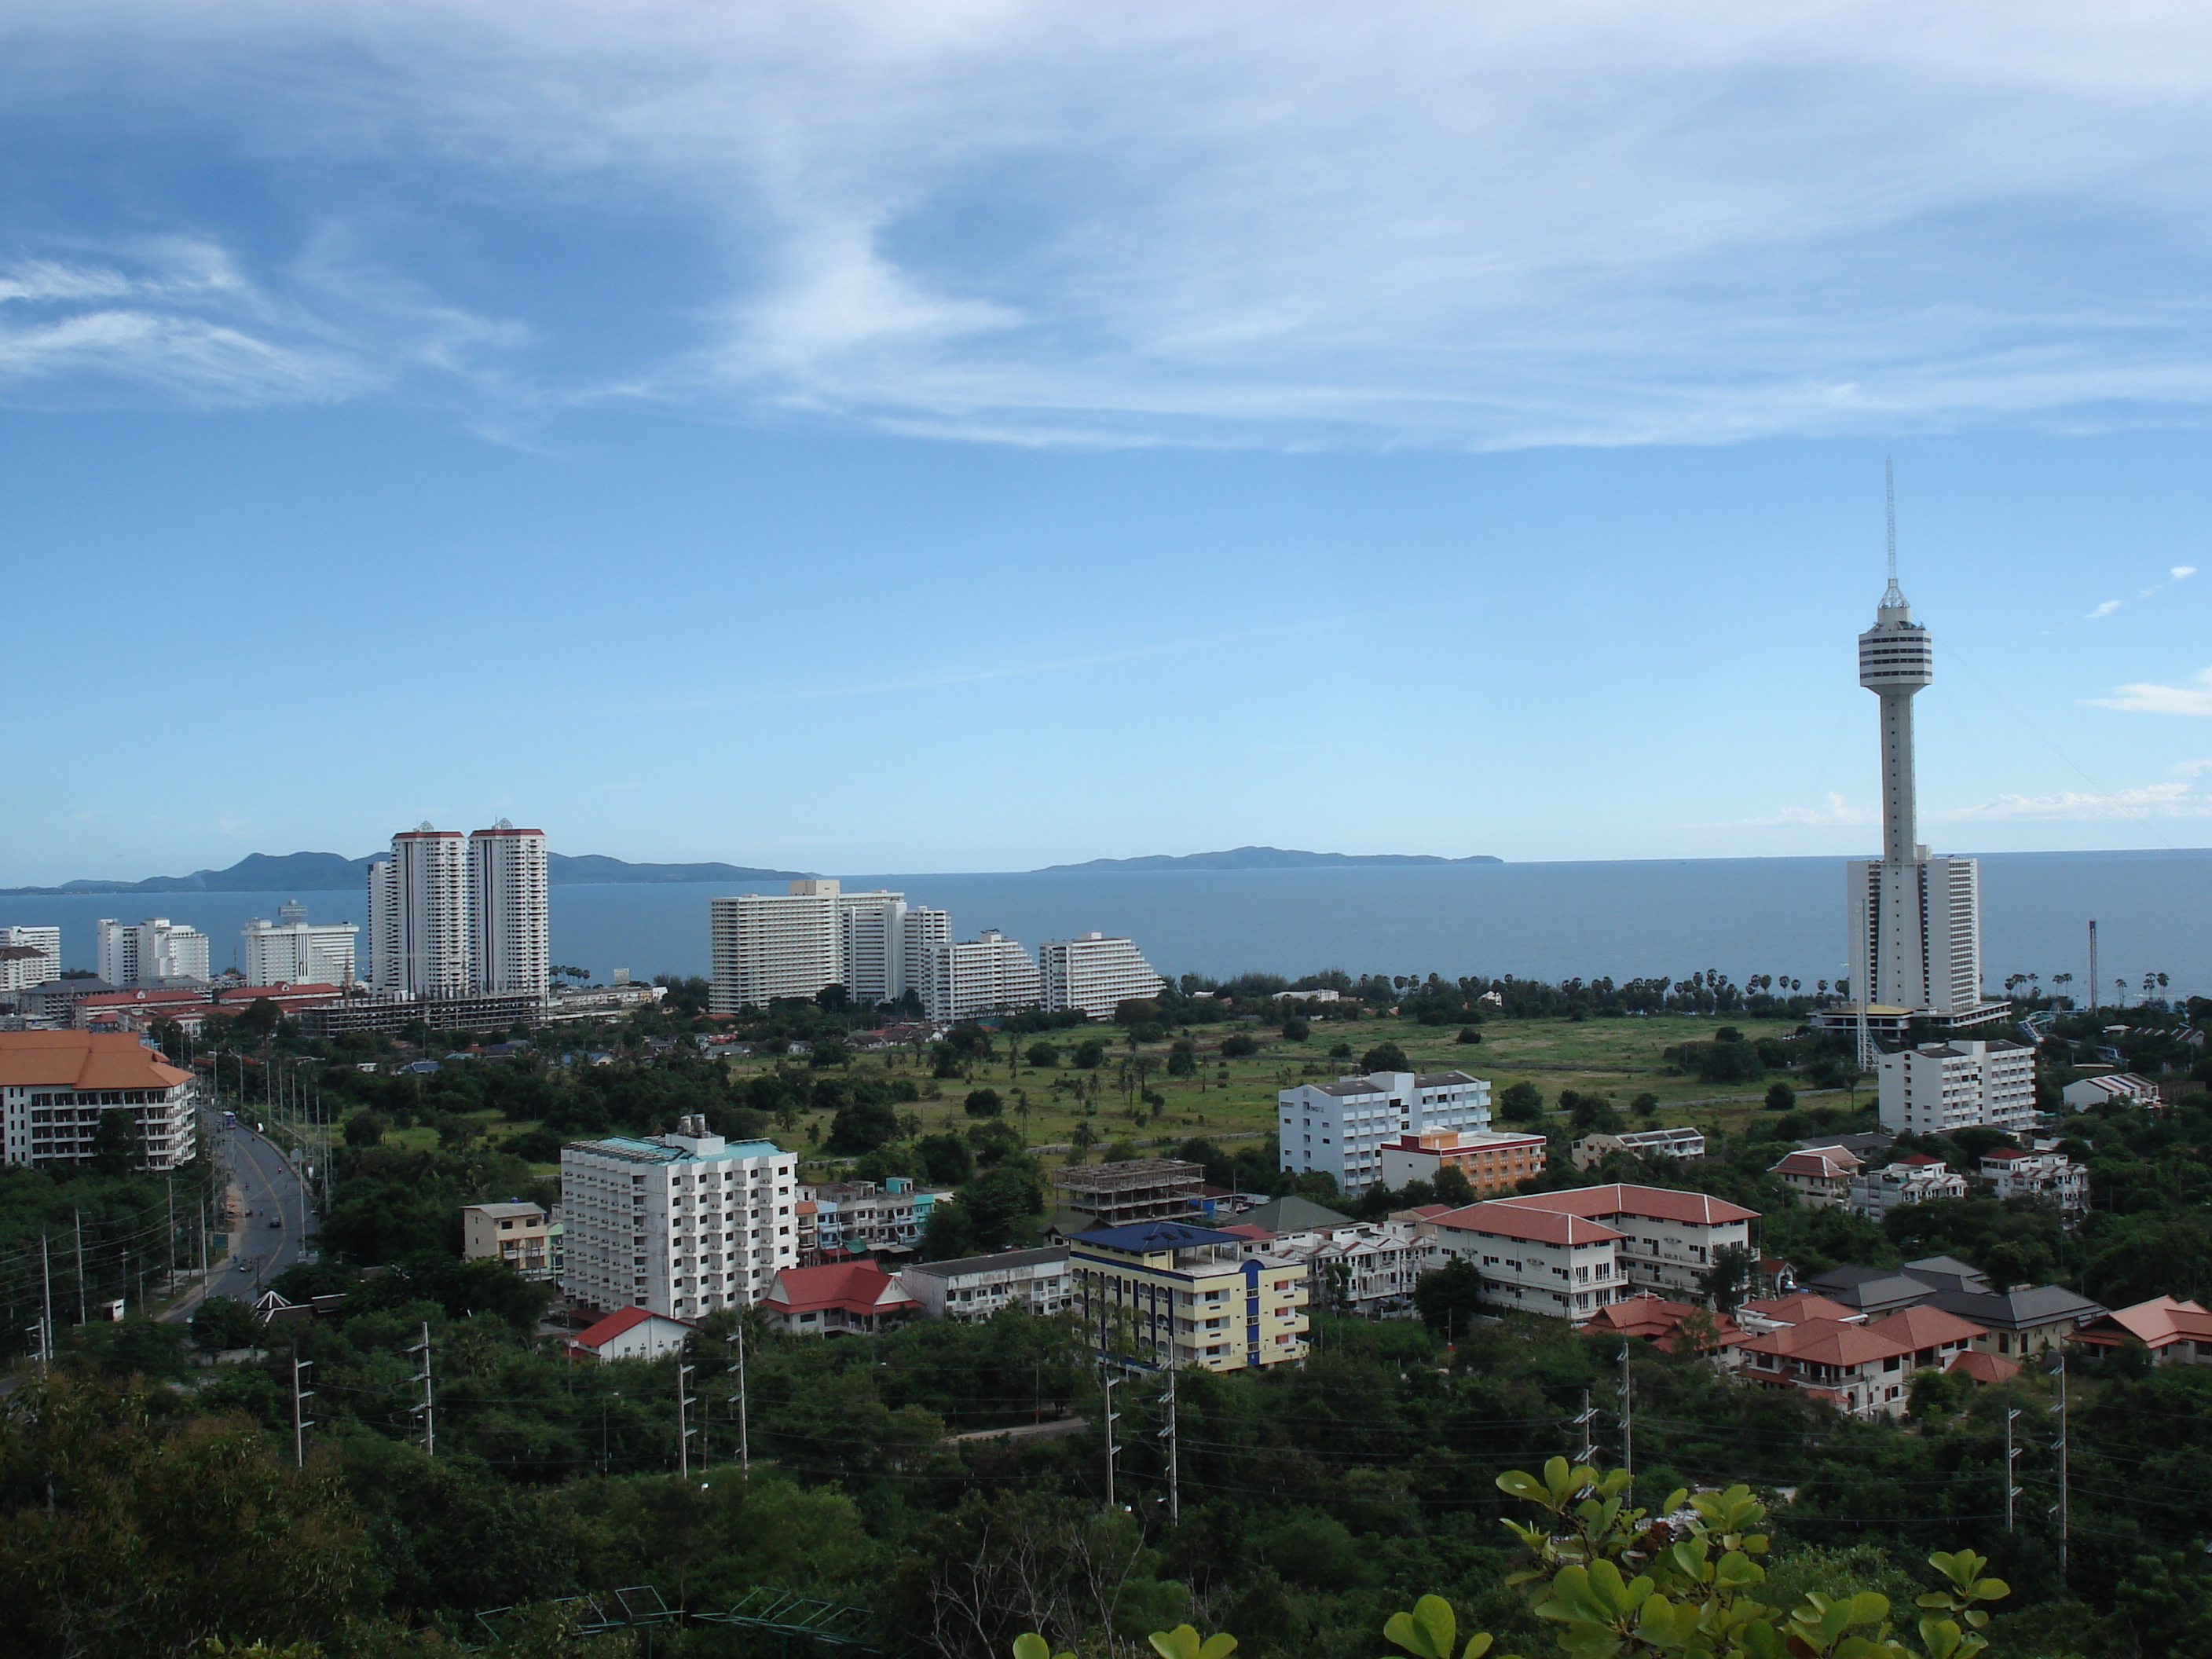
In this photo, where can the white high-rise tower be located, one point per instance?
(510, 951)
(1915, 920)
(418, 915)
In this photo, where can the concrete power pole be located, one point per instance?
(738, 1370)
(2065, 1513)
(683, 1429)
(1107, 1384)
(301, 1422)
(1168, 1434)
(428, 1410)
(1627, 1413)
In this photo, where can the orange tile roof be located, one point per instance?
(1657, 1318)
(855, 1286)
(1505, 1220)
(1924, 1327)
(1984, 1367)
(2158, 1323)
(1800, 1306)
(1659, 1203)
(1826, 1342)
(83, 1060)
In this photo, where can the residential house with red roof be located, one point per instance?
(1936, 1338)
(1660, 1321)
(840, 1297)
(2172, 1331)
(1669, 1239)
(629, 1333)
(1534, 1261)
(1820, 1176)
(1858, 1370)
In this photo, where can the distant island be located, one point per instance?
(1262, 857)
(330, 872)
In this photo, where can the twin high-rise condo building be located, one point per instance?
(455, 915)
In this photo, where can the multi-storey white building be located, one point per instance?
(1914, 1180)
(1539, 1261)
(418, 915)
(871, 945)
(918, 929)
(292, 951)
(2051, 1177)
(766, 945)
(56, 1087)
(974, 978)
(1670, 1239)
(680, 1226)
(146, 952)
(29, 956)
(510, 935)
(1095, 975)
(1942, 1086)
(974, 1287)
(1338, 1128)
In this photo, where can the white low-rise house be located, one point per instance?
(1820, 1176)
(1940, 1087)
(1539, 1261)
(1670, 1239)
(1914, 1180)
(630, 1333)
(1094, 975)
(2050, 1176)
(1305, 996)
(974, 1287)
(680, 1226)
(1367, 1267)
(1684, 1142)
(1338, 1128)
(2110, 1089)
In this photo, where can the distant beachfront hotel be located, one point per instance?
(292, 951)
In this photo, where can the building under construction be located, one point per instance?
(1141, 1189)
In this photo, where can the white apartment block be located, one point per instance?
(56, 1087)
(292, 951)
(1536, 1262)
(1874, 1192)
(973, 979)
(133, 953)
(418, 915)
(1942, 1086)
(1916, 932)
(1367, 1268)
(920, 928)
(510, 934)
(871, 957)
(1670, 1239)
(1095, 975)
(2050, 1176)
(1338, 1128)
(29, 956)
(680, 1226)
(766, 945)
(974, 1287)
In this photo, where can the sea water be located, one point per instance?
(1616, 920)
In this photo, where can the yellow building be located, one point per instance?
(517, 1234)
(1166, 1293)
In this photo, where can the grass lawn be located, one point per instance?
(1618, 1058)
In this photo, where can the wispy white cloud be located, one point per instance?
(2194, 697)
(2182, 572)
(1833, 811)
(1038, 220)
(2104, 610)
(2182, 795)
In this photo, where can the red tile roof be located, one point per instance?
(1924, 1327)
(1503, 1219)
(1826, 1342)
(599, 1335)
(855, 1286)
(1653, 1317)
(1984, 1367)
(83, 1060)
(2158, 1323)
(1800, 1306)
(1658, 1203)
(1246, 1229)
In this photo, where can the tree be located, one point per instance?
(1645, 1104)
(1042, 1056)
(1296, 1030)
(832, 998)
(1181, 1062)
(983, 1103)
(1448, 1297)
(1728, 1281)
(1452, 1186)
(1780, 1096)
(1521, 1102)
(1591, 1115)
(366, 1128)
(998, 1204)
(945, 1159)
(1089, 1055)
(1238, 1046)
(118, 1147)
(1467, 1034)
(223, 1321)
(260, 1018)
(1385, 1057)
(861, 1126)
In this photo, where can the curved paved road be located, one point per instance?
(269, 1190)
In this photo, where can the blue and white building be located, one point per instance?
(1338, 1128)
(680, 1225)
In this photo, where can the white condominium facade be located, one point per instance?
(920, 928)
(29, 956)
(1338, 1128)
(871, 945)
(1094, 975)
(766, 945)
(974, 978)
(510, 938)
(1942, 1086)
(132, 953)
(292, 951)
(680, 1226)
(418, 915)
(57, 1086)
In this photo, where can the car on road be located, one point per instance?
(246, 1266)
(276, 1220)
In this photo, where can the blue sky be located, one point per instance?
(973, 436)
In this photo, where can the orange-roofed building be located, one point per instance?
(630, 1333)
(57, 1086)
(1856, 1370)
(1935, 1338)
(1978, 1365)
(1659, 1321)
(1669, 1239)
(2172, 1331)
(1534, 1260)
(1775, 1313)
(844, 1296)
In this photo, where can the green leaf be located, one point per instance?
(1219, 1645)
(1029, 1645)
(1477, 1645)
(1181, 1643)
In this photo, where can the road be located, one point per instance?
(268, 1188)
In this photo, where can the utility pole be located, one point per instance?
(2011, 1469)
(1168, 1434)
(684, 1431)
(2093, 964)
(1627, 1413)
(1585, 1422)
(301, 1422)
(47, 1328)
(737, 1371)
(2064, 1506)
(77, 1216)
(428, 1410)
(1106, 1386)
